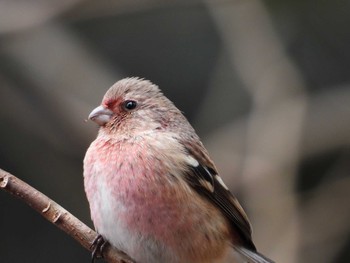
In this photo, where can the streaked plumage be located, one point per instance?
(153, 190)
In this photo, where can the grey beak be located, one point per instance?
(101, 115)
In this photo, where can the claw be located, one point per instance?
(98, 245)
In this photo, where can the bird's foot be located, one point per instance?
(98, 245)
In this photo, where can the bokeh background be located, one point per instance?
(266, 84)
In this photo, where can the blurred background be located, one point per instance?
(266, 84)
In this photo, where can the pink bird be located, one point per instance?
(153, 190)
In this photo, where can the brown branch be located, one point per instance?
(58, 216)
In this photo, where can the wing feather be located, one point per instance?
(204, 179)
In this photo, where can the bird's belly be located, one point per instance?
(153, 225)
(140, 228)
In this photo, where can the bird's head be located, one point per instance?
(133, 104)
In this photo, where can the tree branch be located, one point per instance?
(58, 216)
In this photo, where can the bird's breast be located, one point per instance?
(132, 194)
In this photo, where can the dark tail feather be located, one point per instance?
(253, 256)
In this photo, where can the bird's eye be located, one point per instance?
(130, 104)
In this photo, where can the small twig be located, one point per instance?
(58, 216)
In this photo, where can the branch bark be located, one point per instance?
(58, 216)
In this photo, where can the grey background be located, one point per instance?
(265, 84)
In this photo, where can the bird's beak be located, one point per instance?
(101, 115)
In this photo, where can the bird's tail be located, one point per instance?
(252, 256)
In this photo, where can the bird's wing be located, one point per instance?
(204, 179)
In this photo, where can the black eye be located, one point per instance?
(130, 104)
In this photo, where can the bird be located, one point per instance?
(153, 191)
